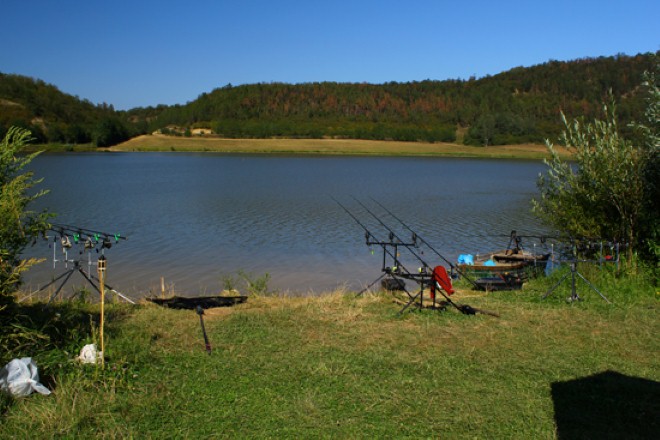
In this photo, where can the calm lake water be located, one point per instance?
(196, 219)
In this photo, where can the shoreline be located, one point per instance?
(343, 147)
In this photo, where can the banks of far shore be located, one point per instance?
(160, 143)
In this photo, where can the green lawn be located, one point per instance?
(344, 367)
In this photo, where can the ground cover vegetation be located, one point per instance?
(518, 106)
(341, 366)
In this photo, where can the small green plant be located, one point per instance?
(83, 295)
(255, 285)
(228, 283)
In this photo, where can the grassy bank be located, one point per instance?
(327, 146)
(346, 367)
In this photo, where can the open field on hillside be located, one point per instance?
(327, 146)
(337, 366)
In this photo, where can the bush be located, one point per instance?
(18, 225)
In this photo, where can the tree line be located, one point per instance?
(521, 105)
(52, 116)
(518, 106)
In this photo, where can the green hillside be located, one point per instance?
(521, 105)
(56, 117)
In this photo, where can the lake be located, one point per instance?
(196, 219)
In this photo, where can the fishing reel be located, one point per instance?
(89, 243)
(86, 239)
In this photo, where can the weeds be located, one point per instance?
(83, 295)
(256, 285)
(229, 283)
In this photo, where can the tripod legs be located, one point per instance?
(90, 279)
(370, 285)
(127, 299)
(574, 296)
(561, 280)
(413, 298)
(68, 274)
(593, 287)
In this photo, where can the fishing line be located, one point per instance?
(439, 278)
(451, 265)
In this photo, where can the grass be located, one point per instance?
(328, 147)
(339, 366)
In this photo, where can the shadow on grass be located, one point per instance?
(607, 405)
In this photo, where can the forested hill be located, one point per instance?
(520, 105)
(56, 117)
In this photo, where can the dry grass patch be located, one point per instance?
(328, 146)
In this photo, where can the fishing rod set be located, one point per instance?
(85, 241)
(69, 236)
(590, 252)
(572, 251)
(567, 249)
(434, 279)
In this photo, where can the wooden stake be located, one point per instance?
(162, 287)
(101, 270)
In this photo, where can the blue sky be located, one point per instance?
(140, 53)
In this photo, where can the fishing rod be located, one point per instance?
(397, 266)
(74, 235)
(393, 234)
(368, 235)
(540, 237)
(87, 231)
(78, 232)
(421, 278)
(439, 278)
(87, 239)
(515, 238)
(451, 265)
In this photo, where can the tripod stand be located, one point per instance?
(91, 279)
(574, 296)
(397, 284)
(66, 275)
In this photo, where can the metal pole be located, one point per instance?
(200, 312)
(574, 295)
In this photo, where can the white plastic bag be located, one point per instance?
(89, 354)
(20, 377)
